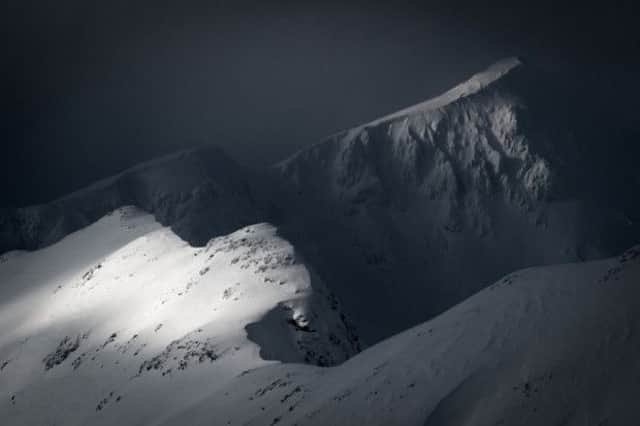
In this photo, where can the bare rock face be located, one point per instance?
(66, 347)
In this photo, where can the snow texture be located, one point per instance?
(123, 314)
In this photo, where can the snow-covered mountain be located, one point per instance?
(189, 290)
(125, 317)
(434, 202)
(419, 209)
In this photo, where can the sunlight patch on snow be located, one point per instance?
(125, 301)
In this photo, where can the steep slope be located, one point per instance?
(543, 346)
(126, 318)
(421, 208)
(199, 193)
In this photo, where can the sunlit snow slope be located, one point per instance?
(125, 322)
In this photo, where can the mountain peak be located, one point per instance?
(469, 87)
(473, 85)
(504, 65)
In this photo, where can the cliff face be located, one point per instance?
(489, 174)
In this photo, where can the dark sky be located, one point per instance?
(90, 88)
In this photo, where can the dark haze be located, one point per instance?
(90, 88)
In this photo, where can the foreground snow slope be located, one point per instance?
(497, 174)
(557, 345)
(123, 322)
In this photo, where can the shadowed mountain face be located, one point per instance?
(428, 205)
(199, 193)
(416, 210)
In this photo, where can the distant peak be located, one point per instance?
(473, 85)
